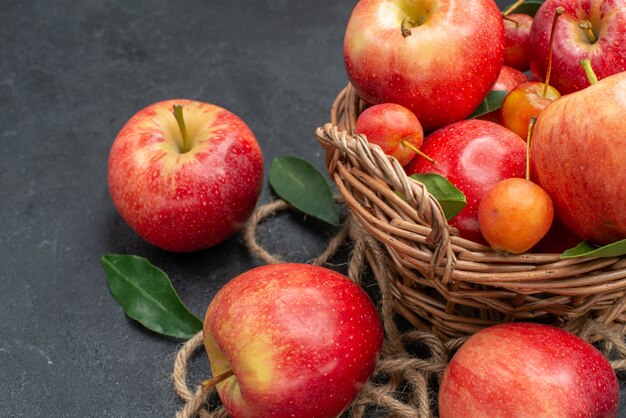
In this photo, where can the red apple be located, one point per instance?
(517, 41)
(509, 78)
(473, 155)
(515, 214)
(394, 128)
(299, 340)
(437, 58)
(578, 155)
(529, 370)
(185, 195)
(607, 51)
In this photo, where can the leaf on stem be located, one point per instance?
(147, 296)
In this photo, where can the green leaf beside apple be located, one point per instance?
(586, 249)
(451, 199)
(492, 102)
(303, 187)
(147, 296)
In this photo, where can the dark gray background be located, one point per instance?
(71, 74)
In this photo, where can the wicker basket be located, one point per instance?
(447, 284)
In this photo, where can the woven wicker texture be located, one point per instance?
(444, 283)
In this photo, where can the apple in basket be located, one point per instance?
(439, 58)
(530, 370)
(473, 155)
(578, 156)
(291, 340)
(593, 29)
(517, 40)
(185, 175)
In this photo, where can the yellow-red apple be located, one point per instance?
(528, 370)
(299, 341)
(439, 58)
(189, 184)
(604, 42)
(578, 156)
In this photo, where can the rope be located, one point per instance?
(401, 384)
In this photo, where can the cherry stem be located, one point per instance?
(210, 382)
(586, 26)
(178, 114)
(558, 12)
(591, 75)
(531, 125)
(511, 20)
(417, 151)
(512, 7)
(406, 25)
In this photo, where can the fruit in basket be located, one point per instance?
(293, 339)
(509, 78)
(526, 369)
(604, 43)
(578, 155)
(437, 58)
(473, 155)
(188, 181)
(514, 215)
(517, 41)
(394, 128)
(527, 100)
(558, 239)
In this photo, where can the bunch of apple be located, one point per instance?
(439, 59)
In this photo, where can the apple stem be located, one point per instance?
(531, 125)
(417, 151)
(512, 7)
(212, 381)
(586, 26)
(558, 12)
(178, 114)
(406, 25)
(591, 75)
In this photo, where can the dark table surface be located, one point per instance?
(71, 74)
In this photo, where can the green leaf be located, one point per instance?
(492, 102)
(528, 7)
(586, 249)
(303, 187)
(147, 296)
(451, 199)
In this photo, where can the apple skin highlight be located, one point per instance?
(301, 341)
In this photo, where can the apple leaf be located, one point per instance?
(586, 249)
(303, 187)
(147, 296)
(492, 102)
(451, 199)
(528, 7)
